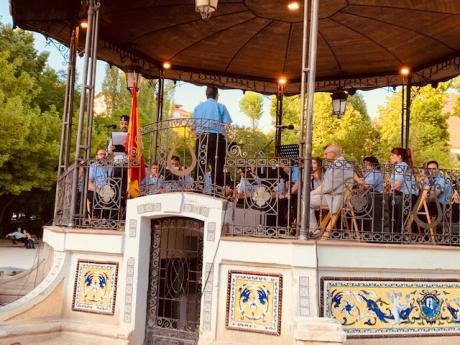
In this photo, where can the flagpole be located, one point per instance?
(133, 147)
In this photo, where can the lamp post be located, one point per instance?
(206, 7)
(339, 103)
(279, 112)
(405, 104)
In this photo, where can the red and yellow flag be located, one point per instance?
(133, 147)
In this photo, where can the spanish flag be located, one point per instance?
(133, 147)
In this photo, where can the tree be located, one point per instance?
(30, 95)
(429, 137)
(118, 101)
(354, 131)
(252, 105)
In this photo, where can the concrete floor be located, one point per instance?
(18, 257)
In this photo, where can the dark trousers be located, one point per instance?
(211, 148)
(396, 216)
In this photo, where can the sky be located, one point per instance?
(186, 94)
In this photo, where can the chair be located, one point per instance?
(329, 222)
(422, 202)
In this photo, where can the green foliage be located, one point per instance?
(359, 136)
(354, 131)
(31, 103)
(429, 137)
(252, 105)
(252, 141)
(455, 84)
(118, 102)
(291, 111)
(29, 121)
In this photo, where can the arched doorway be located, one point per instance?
(174, 295)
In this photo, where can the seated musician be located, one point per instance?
(372, 178)
(440, 188)
(316, 172)
(171, 181)
(372, 181)
(244, 188)
(280, 193)
(403, 185)
(330, 193)
(152, 181)
(402, 179)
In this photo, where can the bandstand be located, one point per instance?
(193, 261)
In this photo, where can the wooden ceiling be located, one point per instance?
(249, 44)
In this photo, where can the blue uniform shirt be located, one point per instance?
(440, 183)
(403, 174)
(281, 187)
(211, 110)
(245, 187)
(314, 183)
(294, 174)
(374, 179)
(99, 174)
(207, 183)
(153, 183)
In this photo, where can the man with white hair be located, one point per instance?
(330, 193)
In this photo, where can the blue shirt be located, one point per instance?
(245, 187)
(439, 183)
(99, 174)
(403, 174)
(374, 179)
(314, 183)
(294, 174)
(281, 187)
(328, 171)
(188, 182)
(211, 110)
(207, 183)
(153, 183)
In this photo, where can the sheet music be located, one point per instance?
(119, 138)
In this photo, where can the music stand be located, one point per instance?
(288, 151)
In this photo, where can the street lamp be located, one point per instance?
(339, 102)
(206, 7)
(133, 77)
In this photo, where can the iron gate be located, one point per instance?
(173, 300)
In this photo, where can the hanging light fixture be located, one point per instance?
(84, 24)
(206, 7)
(339, 103)
(132, 76)
(293, 5)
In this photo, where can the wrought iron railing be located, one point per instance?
(101, 194)
(183, 154)
(391, 204)
(423, 209)
(349, 201)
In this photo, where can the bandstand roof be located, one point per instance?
(248, 44)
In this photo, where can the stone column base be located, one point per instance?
(318, 331)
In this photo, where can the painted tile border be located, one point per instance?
(129, 289)
(207, 297)
(441, 331)
(304, 296)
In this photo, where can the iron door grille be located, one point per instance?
(174, 296)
